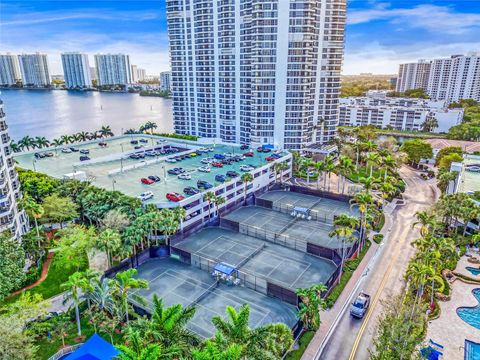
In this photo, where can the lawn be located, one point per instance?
(49, 346)
(364, 172)
(58, 273)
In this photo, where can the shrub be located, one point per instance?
(378, 238)
(178, 136)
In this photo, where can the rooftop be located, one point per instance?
(470, 180)
(106, 164)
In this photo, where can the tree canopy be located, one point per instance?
(417, 150)
(12, 261)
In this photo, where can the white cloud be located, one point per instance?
(439, 19)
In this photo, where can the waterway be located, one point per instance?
(57, 112)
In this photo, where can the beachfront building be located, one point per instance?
(11, 217)
(113, 69)
(260, 72)
(413, 76)
(397, 113)
(34, 70)
(76, 70)
(9, 70)
(166, 81)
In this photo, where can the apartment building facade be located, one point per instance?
(413, 76)
(113, 69)
(76, 70)
(9, 70)
(256, 71)
(34, 70)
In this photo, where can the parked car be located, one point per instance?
(102, 144)
(204, 169)
(176, 171)
(85, 151)
(74, 149)
(232, 174)
(246, 168)
(219, 156)
(360, 306)
(249, 154)
(217, 164)
(144, 141)
(185, 176)
(190, 190)
(172, 196)
(66, 151)
(39, 155)
(154, 178)
(202, 184)
(228, 161)
(244, 147)
(134, 142)
(137, 147)
(134, 156)
(151, 153)
(202, 150)
(171, 160)
(220, 178)
(270, 158)
(146, 181)
(207, 160)
(48, 154)
(228, 154)
(145, 196)
(84, 158)
(193, 154)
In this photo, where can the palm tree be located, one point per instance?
(344, 228)
(345, 168)
(138, 349)
(83, 136)
(329, 168)
(209, 196)
(218, 349)
(369, 183)
(388, 163)
(312, 303)
(33, 210)
(26, 142)
(218, 200)
(444, 180)
(130, 132)
(168, 326)
(169, 225)
(388, 190)
(372, 159)
(264, 342)
(91, 278)
(41, 141)
(105, 131)
(363, 201)
(124, 282)
(57, 142)
(278, 168)
(109, 241)
(429, 124)
(15, 147)
(246, 178)
(101, 295)
(61, 323)
(320, 167)
(426, 220)
(73, 286)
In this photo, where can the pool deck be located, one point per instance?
(449, 329)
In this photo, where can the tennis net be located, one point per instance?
(249, 257)
(204, 294)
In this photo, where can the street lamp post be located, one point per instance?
(113, 184)
(34, 168)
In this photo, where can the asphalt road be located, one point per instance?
(353, 338)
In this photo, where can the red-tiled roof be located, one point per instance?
(467, 146)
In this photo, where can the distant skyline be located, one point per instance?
(380, 34)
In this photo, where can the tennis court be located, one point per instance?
(283, 228)
(178, 283)
(322, 209)
(257, 258)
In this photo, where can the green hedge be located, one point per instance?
(378, 238)
(178, 136)
(302, 346)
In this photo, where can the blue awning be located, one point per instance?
(430, 353)
(94, 348)
(224, 268)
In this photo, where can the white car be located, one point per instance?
(171, 160)
(229, 154)
(207, 160)
(184, 176)
(145, 196)
(202, 150)
(246, 168)
(66, 151)
(204, 169)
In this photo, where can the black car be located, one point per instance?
(202, 184)
(154, 178)
(134, 156)
(244, 147)
(190, 190)
(49, 154)
(138, 147)
(134, 142)
(74, 149)
(227, 161)
(85, 151)
(39, 156)
(84, 158)
(143, 141)
(236, 158)
(232, 174)
(176, 171)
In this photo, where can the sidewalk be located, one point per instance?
(329, 317)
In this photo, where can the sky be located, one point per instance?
(379, 35)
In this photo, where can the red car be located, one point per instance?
(174, 196)
(250, 154)
(147, 181)
(270, 158)
(217, 164)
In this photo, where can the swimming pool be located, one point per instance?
(471, 315)
(474, 271)
(472, 350)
